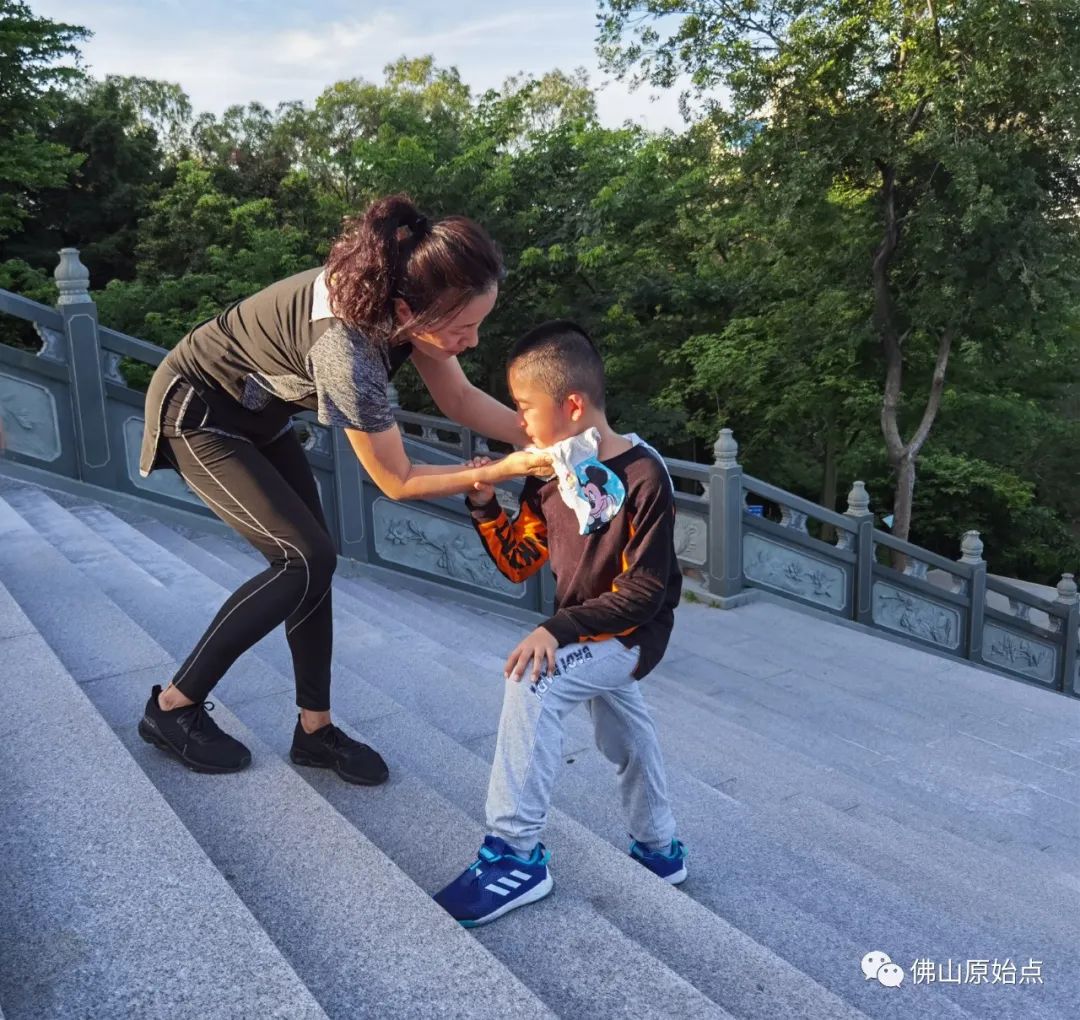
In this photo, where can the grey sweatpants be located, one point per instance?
(530, 744)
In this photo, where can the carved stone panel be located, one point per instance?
(916, 616)
(1020, 653)
(442, 548)
(793, 571)
(164, 481)
(29, 419)
(691, 538)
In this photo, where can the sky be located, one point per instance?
(266, 51)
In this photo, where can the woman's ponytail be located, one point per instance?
(394, 251)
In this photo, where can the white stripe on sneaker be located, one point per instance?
(497, 888)
(520, 874)
(510, 882)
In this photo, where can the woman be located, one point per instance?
(396, 286)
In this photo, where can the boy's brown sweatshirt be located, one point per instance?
(621, 581)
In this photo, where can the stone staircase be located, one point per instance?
(839, 793)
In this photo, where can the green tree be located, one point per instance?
(30, 82)
(955, 173)
(98, 209)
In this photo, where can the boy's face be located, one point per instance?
(545, 421)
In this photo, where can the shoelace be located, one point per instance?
(200, 715)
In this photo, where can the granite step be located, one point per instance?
(408, 740)
(863, 899)
(633, 976)
(906, 803)
(342, 929)
(101, 876)
(442, 621)
(1033, 899)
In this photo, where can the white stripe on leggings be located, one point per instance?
(258, 527)
(289, 630)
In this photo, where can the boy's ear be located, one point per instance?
(402, 311)
(576, 404)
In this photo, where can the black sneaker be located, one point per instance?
(330, 748)
(190, 735)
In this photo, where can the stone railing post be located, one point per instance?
(84, 368)
(971, 550)
(1067, 596)
(858, 510)
(725, 576)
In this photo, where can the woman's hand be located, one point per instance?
(482, 491)
(522, 462)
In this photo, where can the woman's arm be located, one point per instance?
(463, 403)
(482, 413)
(383, 457)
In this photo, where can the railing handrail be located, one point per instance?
(1017, 594)
(933, 559)
(793, 502)
(131, 346)
(32, 311)
(715, 535)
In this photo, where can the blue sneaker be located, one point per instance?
(669, 865)
(496, 882)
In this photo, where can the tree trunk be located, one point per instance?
(905, 495)
(902, 456)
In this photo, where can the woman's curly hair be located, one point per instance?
(393, 251)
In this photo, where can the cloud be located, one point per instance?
(256, 52)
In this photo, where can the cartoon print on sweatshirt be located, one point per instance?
(603, 490)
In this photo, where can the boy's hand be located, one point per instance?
(540, 646)
(481, 491)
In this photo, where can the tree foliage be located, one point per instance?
(884, 182)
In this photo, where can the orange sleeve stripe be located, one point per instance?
(519, 548)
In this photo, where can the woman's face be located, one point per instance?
(455, 335)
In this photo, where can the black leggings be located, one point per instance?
(263, 488)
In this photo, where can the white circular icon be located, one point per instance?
(873, 962)
(891, 975)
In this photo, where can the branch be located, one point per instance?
(891, 342)
(917, 114)
(937, 387)
(748, 24)
(933, 18)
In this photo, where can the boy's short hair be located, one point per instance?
(562, 358)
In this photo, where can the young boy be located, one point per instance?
(617, 584)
